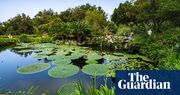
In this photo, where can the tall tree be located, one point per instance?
(19, 24)
(145, 12)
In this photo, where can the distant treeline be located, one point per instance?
(88, 20)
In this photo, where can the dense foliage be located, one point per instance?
(146, 27)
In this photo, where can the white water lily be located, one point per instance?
(149, 32)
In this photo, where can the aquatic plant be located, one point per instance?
(37, 56)
(61, 61)
(25, 51)
(93, 56)
(91, 61)
(111, 57)
(68, 89)
(63, 71)
(95, 69)
(55, 57)
(78, 88)
(33, 68)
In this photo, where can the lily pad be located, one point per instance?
(95, 69)
(62, 52)
(44, 45)
(62, 61)
(75, 55)
(111, 57)
(21, 47)
(91, 61)
(45, 53)
(40, 56)
(93, 56)
(118, 54)
(68, 89)
(33, 68)
(55, 57)
(63, 71)
(130, 56)
(25, 51)
(144, 58)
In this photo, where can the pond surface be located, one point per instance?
(18, 73)
(10, 80)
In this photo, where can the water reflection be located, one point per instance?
(22, 54)
(10, 80)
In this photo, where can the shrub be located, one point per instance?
(24, 38)
(8, 41)
(42, 39)
(123, 30)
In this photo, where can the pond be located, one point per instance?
(14, 77)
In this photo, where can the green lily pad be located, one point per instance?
(33, 68)
(111, 57)
(25, 51)
(75, 55)
(62, 61)
(44, 45)
(118, 54)
(93, 56)
(95, 69)
(91, 61)
(40, 56)
(63, 71)
(21, 47)
(45, 53)
(144, 58)
(130, 56)
(55, 57)
(62, 52)
(68, 89)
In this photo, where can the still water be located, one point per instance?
(10, 60)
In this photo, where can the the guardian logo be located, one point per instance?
(138, 81)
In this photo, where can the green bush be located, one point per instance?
(8, 41)
(24, 38)
(123, 30)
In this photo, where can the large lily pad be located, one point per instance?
(44, 45)
(93, 56)
(91, 61)
(118, 54)
(55, 57)
(131, 56)
(25, 51)
(75, 55)
(63, 71)
(40, 56)
(62, 61)
(68, 89)
(45, 53)
(95, 69)
(144, 58)
(33, 68)
(111, 57)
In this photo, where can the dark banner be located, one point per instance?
(147, 82)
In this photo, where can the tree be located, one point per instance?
(96, 20)
(124, 13)
(78, 13)
(147, 12)
(80, 30)
(2, 31)
(19, 24)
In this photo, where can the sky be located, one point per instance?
(10, 8)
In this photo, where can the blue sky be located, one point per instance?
(10, 8)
